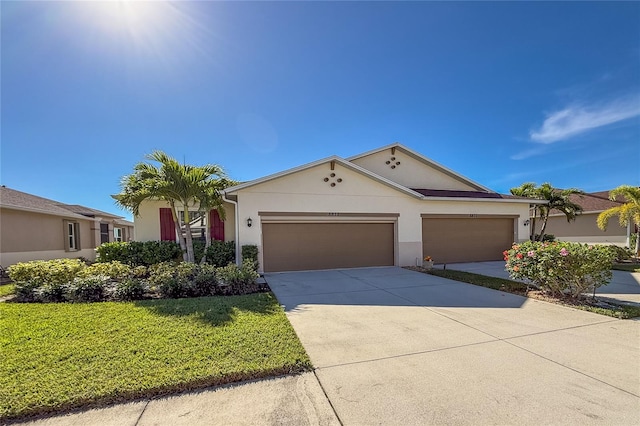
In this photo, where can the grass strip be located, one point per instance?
(57, 357)
(7, 290)
(629, 267)
(481, 280)
(607, 308)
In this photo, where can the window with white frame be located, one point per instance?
(117, 234)
(72, 236)
(197, 223)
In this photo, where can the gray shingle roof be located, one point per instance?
(18, 200)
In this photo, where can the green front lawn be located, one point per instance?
(7, 289)
(60, 356)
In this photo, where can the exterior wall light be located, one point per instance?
(249, 222)
(526, 222)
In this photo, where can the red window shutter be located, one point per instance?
(167, 226)
(217, 226)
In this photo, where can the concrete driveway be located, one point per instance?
(397, 347)
(623, 287)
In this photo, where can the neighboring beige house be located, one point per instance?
(389, 206)
(584, 229)
(36, 228)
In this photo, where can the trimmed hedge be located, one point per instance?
(71, 281)
(136, 253)
(221, 253)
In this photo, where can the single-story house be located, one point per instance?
(37, 228)
(585, 229)
(388, 206)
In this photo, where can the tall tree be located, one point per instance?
(211, 199)
(556, 199)
(175, 183)
(629, 212)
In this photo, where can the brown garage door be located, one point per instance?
(310, 246)
(450, 240)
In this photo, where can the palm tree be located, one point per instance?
(210, 199)
(172, 182)
(556, 199)
(629, 212)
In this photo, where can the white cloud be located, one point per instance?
(574, 120)
(527, 154)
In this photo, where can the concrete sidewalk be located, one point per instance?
(623, 287)
(290, 400)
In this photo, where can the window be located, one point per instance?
(197, 223)
(72, 236)
(104, 233)
(117, 234)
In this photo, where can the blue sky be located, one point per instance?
(503, 93)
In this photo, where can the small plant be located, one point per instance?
(51, 293)
(238, 280)
(26, 291)
(88, 289)
(172, 280)
(130, 289)
(205, 282)
(51, 272)
(250, 251)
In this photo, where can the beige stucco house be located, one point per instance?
(584, 229)
(37, 228)
(389, 206)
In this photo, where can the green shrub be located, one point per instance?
(620, 253)
(114, 269)
(560, 267)
(238, 280)
(51, 272)
(115, 251)
(198, 249)
(91, 288)
(51, 293)
(205, 282)
(250, 251)
(26, 291)
(138, 253)
(221, 253)
(172, 280)
(130, 289)
(140, 272)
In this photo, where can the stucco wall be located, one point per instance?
(32, 236)
(410, 172)
(306, 191)
(147, 224)
(584, 230)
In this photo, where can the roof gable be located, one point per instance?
(467, 189)
(413, 170)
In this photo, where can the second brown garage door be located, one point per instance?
(311, 246)
(450, 240)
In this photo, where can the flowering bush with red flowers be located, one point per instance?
(560, 268)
